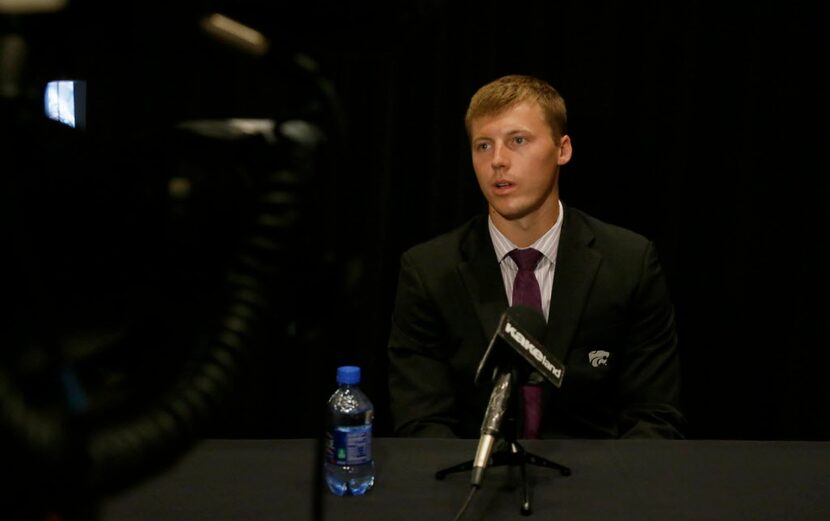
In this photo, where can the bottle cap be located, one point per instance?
(348, 374)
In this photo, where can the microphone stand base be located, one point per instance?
(512, 454)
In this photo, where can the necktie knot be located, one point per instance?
(526, 259)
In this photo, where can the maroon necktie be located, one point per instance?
(526, 291)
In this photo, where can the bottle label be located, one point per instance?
(349, 445)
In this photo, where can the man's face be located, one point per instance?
(517, 161)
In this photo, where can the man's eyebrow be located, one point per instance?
(508, 133)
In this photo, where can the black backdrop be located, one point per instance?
(699, 124)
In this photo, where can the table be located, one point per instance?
(638, 480)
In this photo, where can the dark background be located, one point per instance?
(698, 124)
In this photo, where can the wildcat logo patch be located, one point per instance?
(598, 357)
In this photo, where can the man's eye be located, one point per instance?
(483, 146)
(519, 139)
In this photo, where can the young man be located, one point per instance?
(603, 293)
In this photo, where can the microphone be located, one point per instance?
(518, 329)
(491, 425)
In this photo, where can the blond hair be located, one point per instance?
(508, 91)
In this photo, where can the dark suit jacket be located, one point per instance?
(611, 323)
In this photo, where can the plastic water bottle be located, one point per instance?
(349, 465)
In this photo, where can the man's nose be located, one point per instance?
(501, 156)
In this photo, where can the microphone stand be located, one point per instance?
(511, 452)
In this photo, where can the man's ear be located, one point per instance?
(565, 150)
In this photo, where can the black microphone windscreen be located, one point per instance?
(529, 319)
(519, 336)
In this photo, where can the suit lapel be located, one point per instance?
(482, 277)
(576, 267)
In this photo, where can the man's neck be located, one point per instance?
(526, 230)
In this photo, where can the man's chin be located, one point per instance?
(509, 214)
(518, 213)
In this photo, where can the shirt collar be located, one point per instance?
(547, 243)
